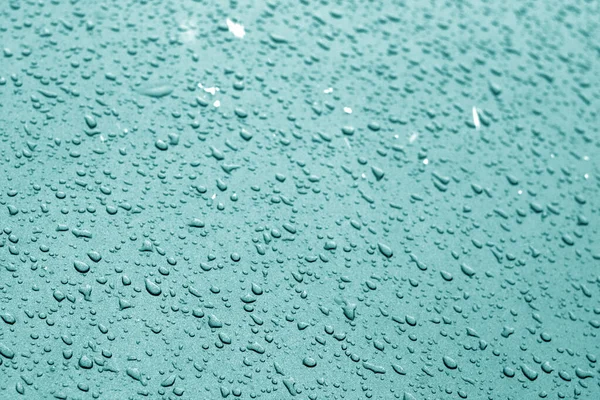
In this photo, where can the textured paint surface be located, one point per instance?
(299, 199)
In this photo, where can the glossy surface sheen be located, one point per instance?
(299, 199)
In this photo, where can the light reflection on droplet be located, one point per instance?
(235, 28)
(476, 121)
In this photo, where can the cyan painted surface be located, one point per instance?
(310, 200)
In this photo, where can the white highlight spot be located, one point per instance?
(217, 103)
(413, 137)
(476, 119)
(586, 176)
(328, 90)
(212, 90)
(347, 142)
(425, 161)
(237, 29)
(347, 110)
